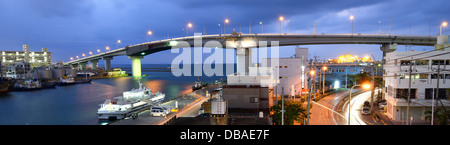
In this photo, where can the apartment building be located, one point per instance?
(424, 82)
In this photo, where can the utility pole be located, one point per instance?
(409, 92)
(282, 106)
(373, 87)
(309, 99)
(437, 88)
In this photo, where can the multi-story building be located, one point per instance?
(19, 70)
(424, 82)
(35, 59)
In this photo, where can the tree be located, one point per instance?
(440, 116)
(295, 112)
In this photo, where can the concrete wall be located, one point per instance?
(240, 97)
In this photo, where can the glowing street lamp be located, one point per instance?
(71, 58)
(324, 69)
(98, 50)
(226, 22)
(281, 19)
(90, 52)
(444, 24)
(83, 55)
(148, 34)
(262, 27)
(77, 57)
(352, 18)
(118, 42)
(365, 86)
(107, 48)
(189, 25)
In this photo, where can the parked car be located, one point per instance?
(382, 103)
(366, 104)
(365, 111)
(157, 112)
(164, 109)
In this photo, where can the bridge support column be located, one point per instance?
(74, 65)
(82, 65)
(386, 48)
(136, 65)
(442, 43)
(243, 60)
(94, 64)
(107, 62)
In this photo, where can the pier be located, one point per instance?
(188, 105)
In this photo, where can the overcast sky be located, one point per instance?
(71, 27)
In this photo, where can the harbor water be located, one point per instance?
(78, 104)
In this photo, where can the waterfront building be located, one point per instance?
(19, 70)
(424, 82)
(34, 59)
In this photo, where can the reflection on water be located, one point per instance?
(78, 104)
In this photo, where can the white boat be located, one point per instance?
(131, 102)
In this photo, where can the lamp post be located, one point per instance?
(262, 27)
(311, 73)
(281, 18)
(189, 25)
(444, 24)
(352, 18)
(98, 50)
(148, 34)
(224, 24)
(107, 48)
(324, 69)
(71, 58)
(365, 86)
(90, 53)
(118, 42)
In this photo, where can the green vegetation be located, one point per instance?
(295, 112)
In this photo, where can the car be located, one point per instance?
(164, 109)
(157, 112)
(382, 103)
(365, 111)
(366, 104)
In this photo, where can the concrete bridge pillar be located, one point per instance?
(136, 65)
(386, 48)
(94, 64)
(82, 65)
(107, 62)
(442, 43)
(243, 60)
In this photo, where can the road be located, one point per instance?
(333, 109)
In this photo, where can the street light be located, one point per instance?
(77, 57)
(281, 18)
(118, 42)
(98, 50)
(148, 34)
(312, 72)
(189, 25)
(107, 48)
(226, 22)
(444, 24)
(262, 27)
(352, 18)
(83, 55)
(324, 69)
(90, 52)
(365, 86)
(71, 58)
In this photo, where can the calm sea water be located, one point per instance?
(78, 104)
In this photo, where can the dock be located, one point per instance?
(188, 105)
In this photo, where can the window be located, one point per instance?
(285, 66)
(434, 76)
(254, 99)
(341, 69)
(405, 62)
(403, 93)
(422, 62)
(443, 93)
(437, 62)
